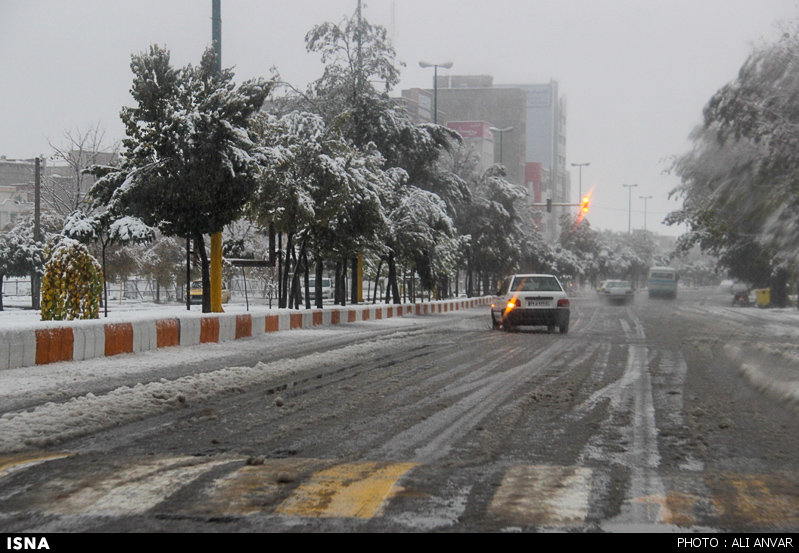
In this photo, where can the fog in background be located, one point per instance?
(635, 73)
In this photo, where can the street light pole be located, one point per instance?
(500, 132)
(629, 188)
(581, 165)
(645, 198)
(435, 67)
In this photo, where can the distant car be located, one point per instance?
(327, 288)
(617, 291)
(531, 300)
(726, 286)
(196, 292)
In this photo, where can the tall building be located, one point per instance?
(529, 129)
(546, 143)
(501, 108)
(478, 138)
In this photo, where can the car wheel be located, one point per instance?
(506, 326)
(494, 323)
(564, 328)
(551, 329)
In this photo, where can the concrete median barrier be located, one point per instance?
(64, 341)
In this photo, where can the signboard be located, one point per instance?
(471, 129)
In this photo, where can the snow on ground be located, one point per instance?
(52, 422)
(46, 404)
(18, 314)
(63, 409)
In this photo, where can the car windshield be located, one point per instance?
(536, 284)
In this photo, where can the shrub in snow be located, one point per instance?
(72, 283)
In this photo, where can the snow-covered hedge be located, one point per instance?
(72, 283)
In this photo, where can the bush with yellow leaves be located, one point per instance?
(72, 283)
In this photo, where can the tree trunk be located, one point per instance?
(279, 270)
(1, 291)
(188, 273)
(392, 278)
(105, 282)
(343, 285)
(337, 284)
(282, 303)
(306, 282)
(354, 283)
(318, 287)
(199, 245)
(778, 295)
(272, 252)
(377, 279)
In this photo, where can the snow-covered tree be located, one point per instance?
(20, 254)
(72, 283)
(495, 225)
(189, 163)
(103, 228)
(163, 260)
(739, 190)
(357, 55)
(319, 190)
(81, 149)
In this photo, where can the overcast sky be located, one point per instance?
(635, 73)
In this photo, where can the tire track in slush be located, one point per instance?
(631, 398)
(432, 438)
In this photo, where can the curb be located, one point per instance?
(762, 370)
(80, 340)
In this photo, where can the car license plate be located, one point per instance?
(537, 303)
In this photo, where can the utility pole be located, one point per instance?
(216, 238)
(580, 166)
(435, 67)
(629, 188)
(37, 231)
(645, 198)
(501, 132)
(356, 292)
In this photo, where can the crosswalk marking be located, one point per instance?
(246, 490)
(543, 495)
(355, 490)
(132, 490)
(548, 496)
(766, 499)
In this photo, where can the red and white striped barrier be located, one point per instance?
(53, 341)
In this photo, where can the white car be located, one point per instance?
(618, 291)
(531, 300)
(327, 288)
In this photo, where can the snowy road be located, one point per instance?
(641, 418)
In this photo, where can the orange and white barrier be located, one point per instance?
(54, 341)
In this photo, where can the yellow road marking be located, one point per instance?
(253, 488)
(355, 490)
(763, 499)
(18, 462)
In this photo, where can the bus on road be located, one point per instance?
(663, 282)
